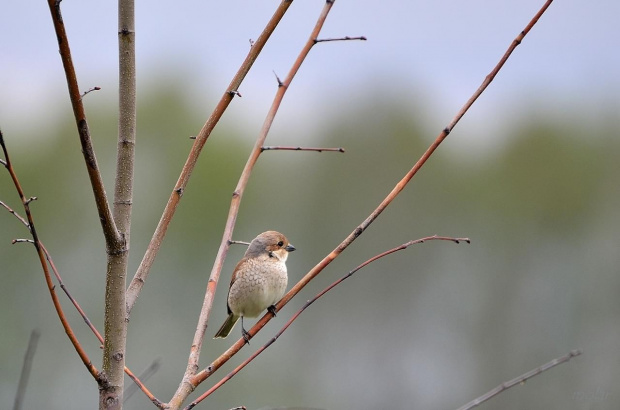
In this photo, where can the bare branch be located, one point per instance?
(25, 375)
(144, 376)
(116, 316)
(90, 90)
(224, 357)
(143, 270)
(48, 279)
(77, 306)
(282, 148)
(346, 38)
(211, 369)
(521, 379)
(114, 241)
(188, 384)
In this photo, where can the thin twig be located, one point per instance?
(90, 90)
(345, 38)
(239, 243)
(144, 376)
(224, 357)
(282, 148)
(114, 241)
(521, 379)
(310, 302)
(188, 384)
(25, 375)
(77, 306)
(48, 279)
(177, 192)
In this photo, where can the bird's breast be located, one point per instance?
(258, 284)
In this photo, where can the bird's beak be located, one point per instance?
(290, 248)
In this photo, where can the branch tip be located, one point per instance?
(345, 38)
(89, 91)
(294, 148)
(280, 83)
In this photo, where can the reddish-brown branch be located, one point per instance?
(282, 148)
(521, 379)
(188, 385)
(48, 279)
(224, 357)
(230, 375)
(114, 241)
(77, 306)
(177, 192)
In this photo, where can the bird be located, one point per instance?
(258, 281)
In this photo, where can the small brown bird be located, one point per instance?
(258, 281)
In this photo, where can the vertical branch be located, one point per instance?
(46, 272)
(359, 230)
(112, 238)
(115, 321)
(137, 282)
(190, 381)
(23, 378)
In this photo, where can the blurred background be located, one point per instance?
(530, 175)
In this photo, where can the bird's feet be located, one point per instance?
(272, 309)
(246, 335)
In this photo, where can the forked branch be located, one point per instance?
(310, 302)
(177, 192)
(521, 379)
(48, 279)
(224, 357)
(188, 384)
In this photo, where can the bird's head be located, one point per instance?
(272, 243)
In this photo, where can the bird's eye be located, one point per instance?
(280, 243)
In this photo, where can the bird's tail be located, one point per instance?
(228, 325)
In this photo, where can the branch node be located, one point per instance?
(345, 38)
(231, 242)
(179, 191)
(235, 92)
(280, 83)
(29, 200)
(89, 91)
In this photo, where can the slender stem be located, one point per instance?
(310, 302)
(25, 375)
(275, 148)
(77, 306)
(188, 385)
(115, 319)
(521, 379)
(177, 192)
(224, 357)
(113, 239)
(48, 279)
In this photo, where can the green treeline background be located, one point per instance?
(430, 327)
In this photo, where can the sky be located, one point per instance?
(431, 54)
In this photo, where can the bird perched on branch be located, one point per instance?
(258, 281)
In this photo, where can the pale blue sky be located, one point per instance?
(431, 53)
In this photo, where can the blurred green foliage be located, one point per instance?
(430, 327)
